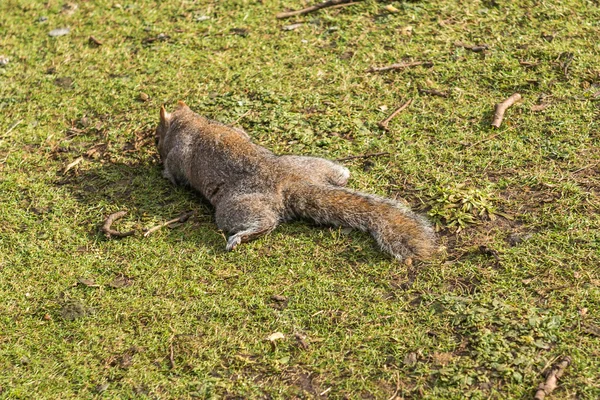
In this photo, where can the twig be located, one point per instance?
(385, 153)
(384, 124)
(400, 66)
(316, 7)
(171, 355)
(433, 92)
(109, 232)
(476, 49)
(182, 218)
(501, 108)
(546, 387)
(529, 63)
(95, 41)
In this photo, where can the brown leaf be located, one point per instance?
(278, 297)
(275, 336)
(592, 329)
(539, 107)
(87, 282)
(121, 282)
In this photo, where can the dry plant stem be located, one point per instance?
(330, 3)
(384, 153)
(433, 92)
(171, 356)
(551, 383)
(501, 108)
(400, 66)
(109, 232)
(475, 49)
(182, 218)
(384, 124)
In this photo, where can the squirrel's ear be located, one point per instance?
(181, 104)
(165, 117)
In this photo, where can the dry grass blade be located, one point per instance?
(316, 7)
(400, 66)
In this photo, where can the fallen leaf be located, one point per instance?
(59, 32)
(73, 311)
(64, 82)
(69, 8)
(539, 107)
(120, 282)
(410, 359)
(291, 27)
(592, 329)
(407, 30)
(143, 96)
(87, 282)
(391, 8)
(275, 336)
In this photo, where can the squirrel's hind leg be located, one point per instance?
(246, 218)
(324, 171)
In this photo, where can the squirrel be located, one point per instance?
(253, 190)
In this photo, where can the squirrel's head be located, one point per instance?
(162, 129)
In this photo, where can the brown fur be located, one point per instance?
(253, 190)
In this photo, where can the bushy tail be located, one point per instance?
(396, 228)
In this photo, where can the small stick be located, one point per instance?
(385, 153)
(476, 49)
(384, 124)
(182, 218)
(316, 7)
(109, 232)
(95, 41)
(400, 66)
(546, 387)
(529, 63)
(433, 92)
(501, 108)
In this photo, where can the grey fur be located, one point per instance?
(254, 190)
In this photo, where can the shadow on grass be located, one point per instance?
(140, 189)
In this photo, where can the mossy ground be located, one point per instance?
(509, 295)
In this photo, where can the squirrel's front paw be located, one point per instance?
(232, 242)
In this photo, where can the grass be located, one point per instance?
(516, 287)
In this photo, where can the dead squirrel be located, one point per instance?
(253, 189)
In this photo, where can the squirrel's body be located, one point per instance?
(253, 189)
